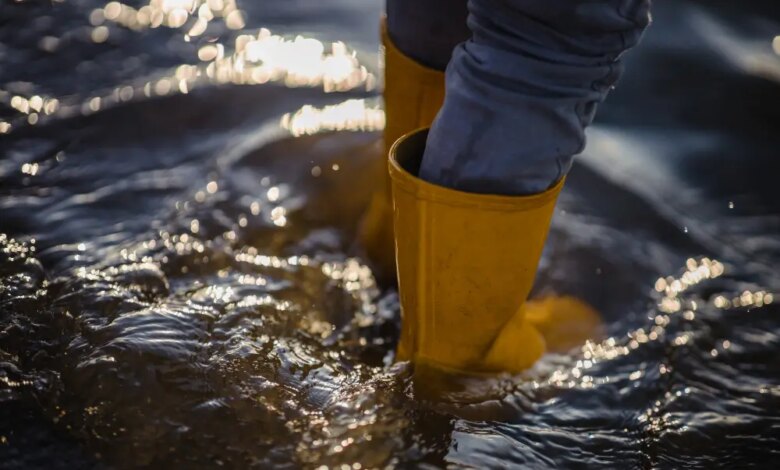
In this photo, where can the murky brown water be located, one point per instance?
(179, 284)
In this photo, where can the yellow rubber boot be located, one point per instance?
(466, 264)
(413, 95)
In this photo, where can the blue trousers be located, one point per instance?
(523, 80)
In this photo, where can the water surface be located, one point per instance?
(179, 185)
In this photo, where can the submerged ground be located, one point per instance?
(179, 283)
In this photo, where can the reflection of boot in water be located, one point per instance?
(413, 95)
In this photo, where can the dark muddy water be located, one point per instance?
(179, 185)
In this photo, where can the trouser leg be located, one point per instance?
(522, 90)
(427, 30)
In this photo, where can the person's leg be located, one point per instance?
(473, 197)
(427, 31)
(418, 38)
(520, 93)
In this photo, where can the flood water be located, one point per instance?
(179, 283)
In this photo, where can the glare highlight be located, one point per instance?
(351, 115)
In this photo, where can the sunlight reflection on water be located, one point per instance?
(254, 59)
